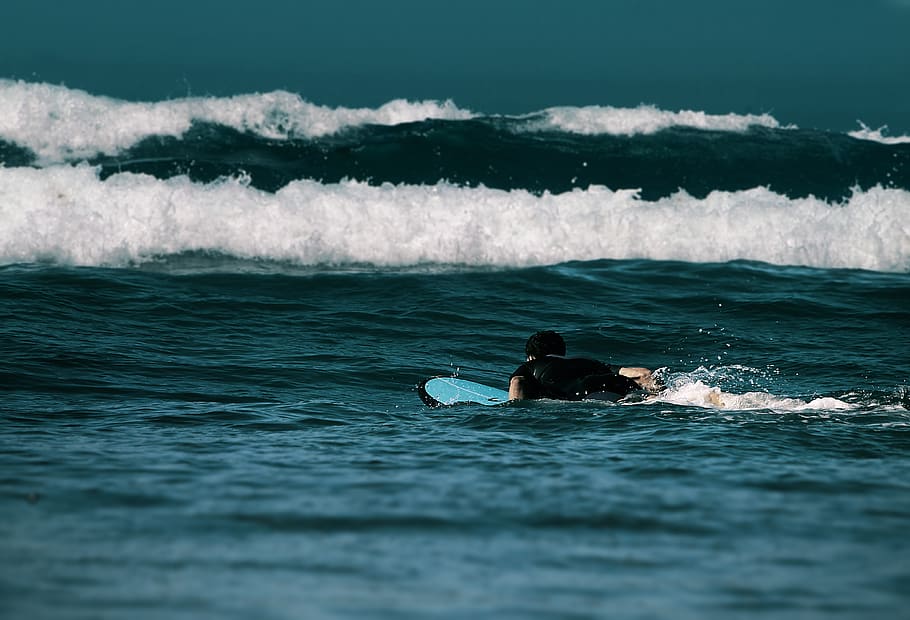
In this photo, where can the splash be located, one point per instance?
(737, 388)
(877, 135)
(700, 394)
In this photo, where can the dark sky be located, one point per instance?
(809, 62)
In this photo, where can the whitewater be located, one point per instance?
(66, 214)
(65, 198)
(61, 124)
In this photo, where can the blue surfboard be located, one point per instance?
(444, 391)
(439, 391)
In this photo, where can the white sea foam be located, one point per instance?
(60, 124)
(644, 119)
(68, 214)
(700, 394)
(727, 388)
(878, 135)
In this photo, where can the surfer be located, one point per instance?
(548, 373)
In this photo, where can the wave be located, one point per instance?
(795, 163)
(877, 135)
(278, 138)
(69, 215)
(59, 124)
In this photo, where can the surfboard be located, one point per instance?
(445, 391)
(439, 391)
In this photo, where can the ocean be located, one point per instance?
(216, 310)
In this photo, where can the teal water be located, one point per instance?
(216, 305)
(814, 63)
(200, 437)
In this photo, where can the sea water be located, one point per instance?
(215, 312)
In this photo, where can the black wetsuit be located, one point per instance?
(571, 378)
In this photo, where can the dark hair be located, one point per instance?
(545, 343)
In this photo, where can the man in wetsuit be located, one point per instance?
(547, 373)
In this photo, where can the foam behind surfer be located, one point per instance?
(548, 373)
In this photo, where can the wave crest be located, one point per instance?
(645, 119)
(60, 124)
(69, 215)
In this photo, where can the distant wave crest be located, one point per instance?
(645, 119)
(878, 135)
(61, 124)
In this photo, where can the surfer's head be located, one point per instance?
(545, 343)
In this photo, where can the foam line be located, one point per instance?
(67, 214)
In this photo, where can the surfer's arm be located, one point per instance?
(641, 376)
(517, 388)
